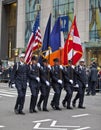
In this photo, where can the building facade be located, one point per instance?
(17, 18)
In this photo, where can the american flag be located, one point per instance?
(34, 40)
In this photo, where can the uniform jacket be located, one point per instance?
(68, 75)
(45, 74)
(81, 77)
(34, 72)
(20, 72)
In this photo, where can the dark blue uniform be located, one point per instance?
(81, 80)
(19, 76)
(56, 74)
(68, 86)
(34, 84)
(45, 88)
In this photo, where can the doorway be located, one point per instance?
(9, 22)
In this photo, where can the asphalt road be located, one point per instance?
(75, 119)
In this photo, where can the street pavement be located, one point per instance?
(76, 119)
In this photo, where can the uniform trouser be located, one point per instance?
(34, 96)
(44, 96)
(21, 90)
(57, 94)
(68, 97)
(80, 96)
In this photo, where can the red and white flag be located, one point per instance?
(73, 48)
(34, 40)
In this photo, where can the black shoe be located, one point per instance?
(52, 106)
(16, 111)
(34, 111)
(87, 94)
(39, 107)
(21, 113)
(73, 104)
(93, 94)
(70, 108)
(30, 111)
(45, 110)
(81, 107)
(58, 108)
(63, 103)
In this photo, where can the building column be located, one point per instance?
(0, 24)
(20, 38)
(46, 9)
(81, 9)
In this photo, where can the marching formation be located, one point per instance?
(44, 77)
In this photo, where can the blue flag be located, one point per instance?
(46, 39)
(55, 37)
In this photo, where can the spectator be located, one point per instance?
(92, 79)
(99, 79)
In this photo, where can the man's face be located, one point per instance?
(82, 63)
(45, 63)
(56, 63)
(34, 62)
(22, 59)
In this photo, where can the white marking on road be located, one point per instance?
(53, 124)
(41, 128)
(81, 115)
(11, 93)
(84, 128)
(1, 126)
(37, 125)
(6, 95)
(42, 120)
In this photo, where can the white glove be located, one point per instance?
(61, 67)
(77, 86)
(13, 85)
(27, 83)
(73, 66)
(38, 79)
(86, 85)
(60, 81)
(38, 64)
(49, 67)
(71, 81)
(47, 83)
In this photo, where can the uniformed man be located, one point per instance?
(19, 76)
(45, 85)
(81, 82)
(68, 84)
(34, 83)
(57, 75)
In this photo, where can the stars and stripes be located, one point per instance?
(34, 40)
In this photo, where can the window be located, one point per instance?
(31, 13)
(95, 20)
(63, 8)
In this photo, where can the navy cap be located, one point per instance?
(56, 60)
(34, 58)
(45, 60)
(69, 61)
